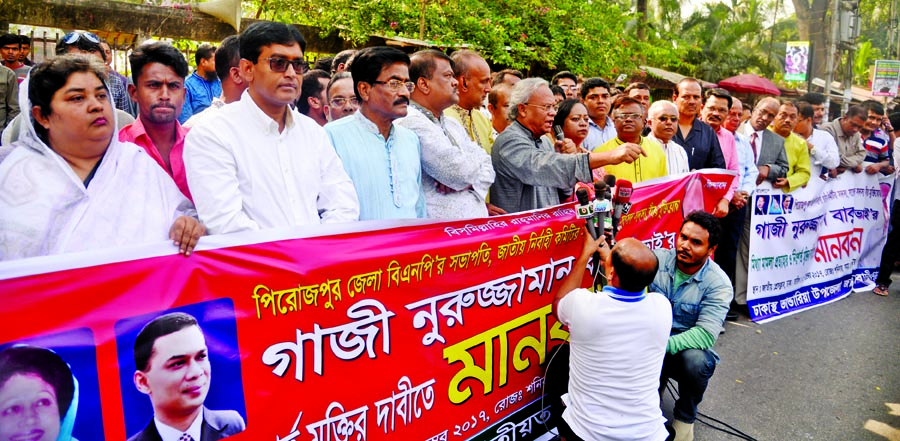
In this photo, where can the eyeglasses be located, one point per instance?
(280, 65)
(544, 107)
(396, 84)
(341, 102)
(72, 37)
(628, 116)
(663, 119)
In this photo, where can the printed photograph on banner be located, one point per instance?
(762, 202)
(823, 243)
(49, 389)
(166, 364)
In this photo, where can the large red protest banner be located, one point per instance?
(432, 331)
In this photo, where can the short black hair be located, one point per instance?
(564, 110)
(32, 360)
(158, 327)
(323, 63)
(556, 90)
(7, 39)
(624, 100)
(591, 83)
(343, 57)
(718, 93)
(369, 62)
(873, 106)
(24, 39)
(631, 278)
(422, 64)
(894, 118)
(857, 111)
(500, 76)
(311, 87)
(805, 110)
(51, 75)
(814, 98)
(636, 85)
(337, 77)
(227, 56)
(83, 43)
(685, 81)
(204, 52)
(561, 75)
(157, 52)
(708, 222)
(264, 33)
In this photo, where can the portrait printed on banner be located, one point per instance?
(49, 389)
(761, 205)
(775, 204)
(167, 374)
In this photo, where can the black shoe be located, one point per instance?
(732, 315)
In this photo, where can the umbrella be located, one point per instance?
(749, 83)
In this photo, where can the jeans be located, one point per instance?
(692, 369)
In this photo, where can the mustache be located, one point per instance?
(162, 105)
(402, 100)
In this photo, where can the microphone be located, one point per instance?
(621, 199)
(585, 210)
(601, 205)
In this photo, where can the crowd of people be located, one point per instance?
(254, 139)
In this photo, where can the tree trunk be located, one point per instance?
(814, 25)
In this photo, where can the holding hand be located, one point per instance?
(185, 233)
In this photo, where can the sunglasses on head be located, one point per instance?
(73, 37)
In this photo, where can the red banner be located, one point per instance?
(430, 331)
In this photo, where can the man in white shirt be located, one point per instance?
(663, 122)
(456, 173)
(618, 341)
(173, 369)
(823, 151)
(259, 164)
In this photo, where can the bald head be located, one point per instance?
(634, 265)
(764, 113)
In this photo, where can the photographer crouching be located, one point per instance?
(618, 340)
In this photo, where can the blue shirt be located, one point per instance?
(702, 147)
(387, 174)
(198, 95)
(702, 300)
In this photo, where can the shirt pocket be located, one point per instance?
(688, 314)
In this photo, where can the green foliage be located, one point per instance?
(589, 37)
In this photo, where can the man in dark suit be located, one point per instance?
(173, 369)
(771, 160)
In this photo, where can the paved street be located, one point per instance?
(819, 375)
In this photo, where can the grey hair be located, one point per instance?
(522, 92)
(657, 107)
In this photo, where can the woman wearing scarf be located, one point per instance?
(67, 184)
(38, 395)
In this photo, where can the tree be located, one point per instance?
(584, 36)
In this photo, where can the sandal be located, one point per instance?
(881, 290)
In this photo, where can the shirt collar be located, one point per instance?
(622, 295)
(609, 123)
(137, 130)
(369, 125)
(426, 112)
(168, 433)
(262, 118)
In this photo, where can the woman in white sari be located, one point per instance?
(67, 184)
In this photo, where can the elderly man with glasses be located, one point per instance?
(530, 171)
(382, 158)
(260, 164)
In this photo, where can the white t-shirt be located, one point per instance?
(618, 342)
